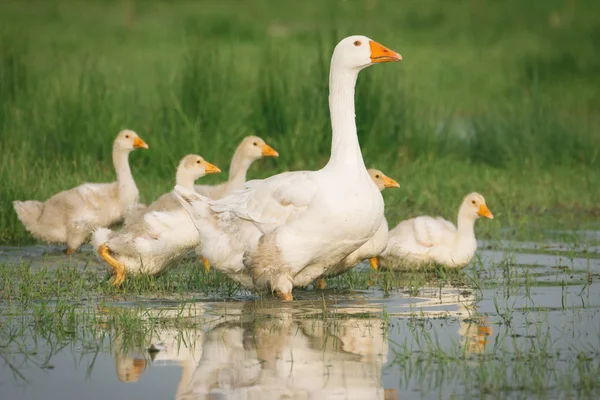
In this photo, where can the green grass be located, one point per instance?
(24, 284)
(487, 99)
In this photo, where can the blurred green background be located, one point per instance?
(495, 96)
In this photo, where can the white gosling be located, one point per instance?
(425, 240)
(287, 230)
(187, 173)
(252, 148)
(157, 239)
(373, 247)
(72, 215)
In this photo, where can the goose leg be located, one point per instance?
(206, 264)
(320, 283)
(76, 236)
(118, 268)
(374, 263)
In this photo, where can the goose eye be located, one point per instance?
(474, 202)
(126, 136)
(198, 162)
(377, 176)
(256, 144)
(357, 43)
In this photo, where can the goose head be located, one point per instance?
(381, 180)
(473, 206)
(129, 369)
(127, 140)
(193, 167)
(358, 52)
(254, 148)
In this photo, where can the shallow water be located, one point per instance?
(528, 326)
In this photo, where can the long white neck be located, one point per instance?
(128, 191)
(240, 163)
(345, 149)
(185, 179)
(188, 367)
(465, 224)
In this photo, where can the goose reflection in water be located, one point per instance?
(281, 352)
(254, 351)
(474, 330)
(129, 368)
(267, 350)
(169, 345)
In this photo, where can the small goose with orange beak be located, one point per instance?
(72, 215)
(153, 240)
(252, 148)
(422, 241)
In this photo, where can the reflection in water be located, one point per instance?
(545, 341)
(474, 335)
(274, 350)
(168, 345)
(474, 330)
(261, 352)
(184, 349)
(287, 358)
(129, 368)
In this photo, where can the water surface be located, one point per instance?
(526, 326)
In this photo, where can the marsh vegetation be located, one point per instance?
(490, 99)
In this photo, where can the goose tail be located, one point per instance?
(29, 212)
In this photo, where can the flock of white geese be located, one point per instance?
(272, 234)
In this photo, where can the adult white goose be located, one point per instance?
(425, 240)
(72, 215)
(288, 229)
(155, 240)
(252, 148)
(373, 247)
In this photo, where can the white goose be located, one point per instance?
(373, 247)
(252, 148)
(425, 240)
(287, 230)
(152, 242)
(72, 215)
(190, 168)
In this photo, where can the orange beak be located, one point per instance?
(139, 143)
(390, 183)
(139, 366)
(374, 263)
(484, 330)
(268, 151)
(485, 212)
(210, 168)
(381, 54)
